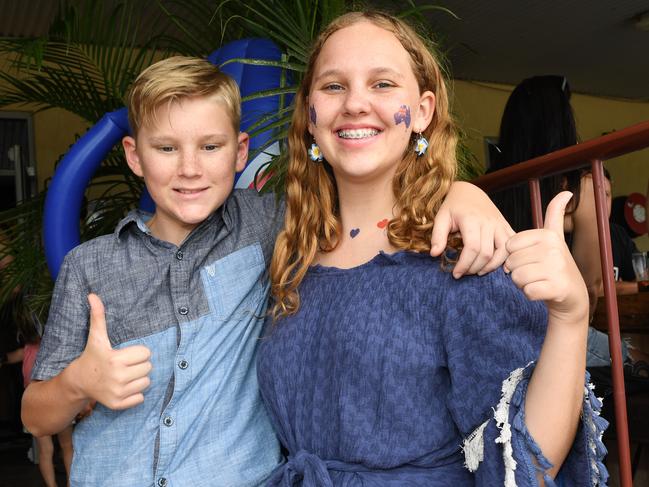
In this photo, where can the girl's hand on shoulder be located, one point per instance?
(541, 265)
(485, 232)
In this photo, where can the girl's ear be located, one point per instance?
(425, 112)
(311, 109)
(132, 157)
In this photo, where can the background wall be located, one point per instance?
(479, 107)
(54, 132)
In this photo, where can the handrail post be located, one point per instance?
(614, 340)
(535, 199)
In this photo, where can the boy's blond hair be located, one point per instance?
(175, 78)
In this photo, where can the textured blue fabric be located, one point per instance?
(387, 367)
(199, 308)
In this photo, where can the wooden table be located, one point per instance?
(633, 310)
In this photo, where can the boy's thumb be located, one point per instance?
(97, 319)
(555, 212)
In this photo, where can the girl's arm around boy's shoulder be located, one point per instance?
(468, 210)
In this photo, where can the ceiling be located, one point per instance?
(595, 44)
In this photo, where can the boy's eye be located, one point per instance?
(166, 148)
(210, 147)
(383, 84)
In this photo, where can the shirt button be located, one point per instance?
(162, 482)
(168, 421)
(179, 255)
(183, 364)
(183, 310)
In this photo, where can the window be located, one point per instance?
(17, 168)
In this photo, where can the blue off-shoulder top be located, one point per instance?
(393, 373)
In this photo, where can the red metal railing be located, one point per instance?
(592, 153)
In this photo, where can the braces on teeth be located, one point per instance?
(357, 134)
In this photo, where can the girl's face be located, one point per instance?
(364, 103)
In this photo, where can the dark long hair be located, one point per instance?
(538, 119)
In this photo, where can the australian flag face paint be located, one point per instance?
(403, 115)
(313, 116)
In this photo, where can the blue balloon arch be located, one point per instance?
(74, 172)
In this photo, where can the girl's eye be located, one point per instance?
(333, 87)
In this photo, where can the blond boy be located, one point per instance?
(171, 303)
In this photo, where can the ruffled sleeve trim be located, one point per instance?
(595, 426)
(509, 418)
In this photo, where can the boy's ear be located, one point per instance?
(425, 112)
(132, 157)
(242, 151)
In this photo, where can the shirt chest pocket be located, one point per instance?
(236, 286)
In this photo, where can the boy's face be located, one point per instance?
(187, 158)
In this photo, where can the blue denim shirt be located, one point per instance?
(199, 308)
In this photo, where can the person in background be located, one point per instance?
(44, 444)
(622, 246)
(538, 119)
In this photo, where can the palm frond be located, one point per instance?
(88, 60)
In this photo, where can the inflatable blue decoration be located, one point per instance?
(72, 175)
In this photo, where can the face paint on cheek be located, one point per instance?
(313, 116)
(403, 115)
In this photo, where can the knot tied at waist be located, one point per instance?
(310, 469)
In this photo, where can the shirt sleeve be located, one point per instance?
(66, 331)
(493, 334)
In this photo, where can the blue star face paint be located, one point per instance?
(403, 115)
(313, 116)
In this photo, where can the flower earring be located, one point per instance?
(315, 154)
(421, 144)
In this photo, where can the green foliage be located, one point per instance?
(27, 271)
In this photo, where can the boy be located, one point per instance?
(176, 305)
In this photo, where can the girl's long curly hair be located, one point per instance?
(420, 184)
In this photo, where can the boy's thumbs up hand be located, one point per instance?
(541, 265)
(115, 378)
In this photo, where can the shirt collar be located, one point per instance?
(139, 218)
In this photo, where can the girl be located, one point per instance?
(380, 365)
